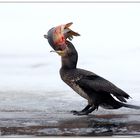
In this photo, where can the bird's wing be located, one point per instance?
(97, 84)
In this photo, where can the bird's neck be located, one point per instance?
(70, 61)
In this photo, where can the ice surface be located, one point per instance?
(32, 81)
(33, 99)
(109, 46)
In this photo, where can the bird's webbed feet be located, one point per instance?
(79, 112)
(88, 109)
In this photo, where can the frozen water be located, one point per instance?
(109, 46)
(33, 98)
(32, 81)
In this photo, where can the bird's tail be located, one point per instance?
(130, 106)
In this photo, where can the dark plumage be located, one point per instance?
(97, 90)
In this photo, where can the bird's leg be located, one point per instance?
(91, 109)
(85, 109)
(85, 112)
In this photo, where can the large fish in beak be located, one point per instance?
(57, 36)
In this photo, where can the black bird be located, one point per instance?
(97, 90)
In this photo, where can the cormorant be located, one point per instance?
(97, 90)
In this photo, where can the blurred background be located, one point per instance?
(109, 45)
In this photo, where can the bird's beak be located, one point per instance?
(61, 53)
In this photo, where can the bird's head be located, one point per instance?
(57, 38)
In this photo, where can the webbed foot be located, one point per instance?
(79, 112)
(85, 111)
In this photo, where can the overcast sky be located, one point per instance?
(101, 25)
